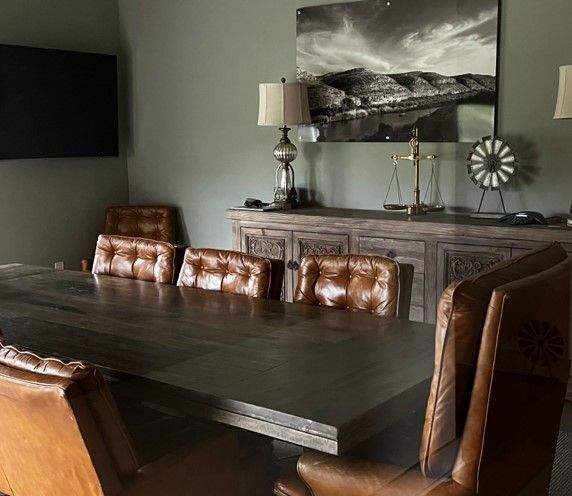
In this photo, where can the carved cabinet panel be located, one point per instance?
(457, 261)
(270, 243)
(306, 243)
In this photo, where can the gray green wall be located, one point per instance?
(193, 67)
(52, 209)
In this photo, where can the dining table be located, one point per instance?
(317, 377)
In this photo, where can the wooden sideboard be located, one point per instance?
(441, 247)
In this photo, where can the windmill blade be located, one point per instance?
(497, 146)
(503, 177)
(487, 180)
(495, 180)
(477, 167)
(480, 151)
(489, 146)
(508, 159)
(505, 150)
(479, 176)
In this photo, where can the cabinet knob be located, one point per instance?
(292, 265)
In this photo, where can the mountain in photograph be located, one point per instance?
(359, 92)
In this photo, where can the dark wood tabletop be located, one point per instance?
(317, 377)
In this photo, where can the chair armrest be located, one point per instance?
(86, 265)
(207, 467)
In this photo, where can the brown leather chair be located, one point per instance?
(149, 222)
(232, 272)
(134, 258)
(378, 285)
(62, 435)
(506, 437)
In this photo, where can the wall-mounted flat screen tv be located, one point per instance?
(56, 103)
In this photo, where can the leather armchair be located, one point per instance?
(134, 258)
(62, 434)
(496, 398)
(232, 272)
(148, 222)
(378, 285)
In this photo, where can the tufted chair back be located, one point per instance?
(378, 285)
(61, 431)
(134, 258)
(231, 272)
(523, 365)
(158, 223)
(459, 329)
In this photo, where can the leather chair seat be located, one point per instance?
(291, 485)
(396, 446)
(333, 476)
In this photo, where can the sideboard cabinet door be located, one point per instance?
(455, 261)
(270, 243)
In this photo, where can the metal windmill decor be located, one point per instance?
(491, 163)
(418, 207)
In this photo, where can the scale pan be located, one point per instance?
(434, 208)
(394, 206)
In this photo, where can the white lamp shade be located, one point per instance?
(283, 104)
(564, 102)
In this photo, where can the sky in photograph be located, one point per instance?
(450, 37)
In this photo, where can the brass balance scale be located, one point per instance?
(418, 207)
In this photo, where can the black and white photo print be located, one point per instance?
(377, 68)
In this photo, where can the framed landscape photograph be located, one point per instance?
(377, 68)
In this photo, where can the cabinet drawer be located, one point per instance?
(402, 250)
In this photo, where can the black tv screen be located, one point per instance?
(55, 103)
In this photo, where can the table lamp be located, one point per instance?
(282, 105)
(564, 101)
